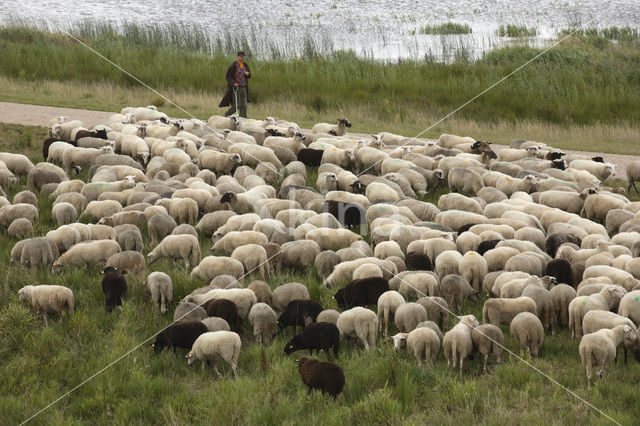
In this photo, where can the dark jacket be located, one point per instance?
(230, 76)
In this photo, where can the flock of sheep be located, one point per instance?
(532, 227)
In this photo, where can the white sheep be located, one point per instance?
(212, 266)
(338, 129)
(282, 295)
(502, 311)
(215, 324)
(243, 298)
(18, 164)
(135, 147)
(603, 300)
(253, 257)
(76, 158)
(408, 316)
(160, 288)
(630, 306)
(10, 213)
(527, 328)
(359, 323)
(457, 342)
(183, 210)
(388, 303)
(473, 267)
(601, 171)
(47, 299)
(488, 339)
(599, 348)
(423, 343)
(63, 213)
(264, 322)
(87, 253)
(216, 345)
(447, 263)
(218, 162)
(339, 157)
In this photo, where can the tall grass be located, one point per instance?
(578, 82)
(446, 28)
(512, 30)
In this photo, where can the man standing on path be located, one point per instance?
(237, 91)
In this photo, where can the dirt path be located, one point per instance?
(37, 115)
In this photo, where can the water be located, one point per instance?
(381, 29)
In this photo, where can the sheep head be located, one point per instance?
(469, 320)
(376, 141)
(142, 131)
(235, 119)
(399, 341)
(531, 182)
(358, 187)
(55, 130)
(227, 197)
(24, 294)
(130, 181)
(344, 122)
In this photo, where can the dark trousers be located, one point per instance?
(241, 96)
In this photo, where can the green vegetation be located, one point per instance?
(446, 28)
(382, 387)
(621, 34)
(511, 30)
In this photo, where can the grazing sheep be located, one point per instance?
(130, 240)
(127, 262)
(488, 339)
(253, 257)
(299, 253)
(114, 287)
(215, 345)
(160, 288)
(447, 263)
(87, 253)
(328, 315)
(473, 267)
(338, 129)
(417, 262)
(212, 266)
(545, 309)
(599, 348)
(326, 376)
(604, 300)
(457, 342)
(562, 295)
(222, 308)
(502, 311)
(633, 174)
(388, 303)
(234, 239)
(437, 310)
(361, 292)
(177, 247)
(263, 320)
(12, 212)
(26, 197)
(630, 306)
(262, 291)
(527, 328)
(159, 226)
(454, 289)
(423, 343)
(47, 299)
(188, 311)
(215, 324)
(179, 335)
(20, 228)
(359, 323)
(299, 312)
(284, 294)
(409, 315)
(318, 336)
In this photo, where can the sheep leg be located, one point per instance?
(215, 368)
(46, 320)
(461, 361)
(234, 370)
(484, 365)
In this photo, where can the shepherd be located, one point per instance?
(237, 93)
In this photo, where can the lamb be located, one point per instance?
(326, 376)
(20, 228)
(409, 315)
(454, 289)
(179, 335)
(423, 343)
(114, 287)
(361, 292)
(212, 266)
(161, 289)
(318, 336)
(338, 129)
(12, 212)
(488, 339)
(599, 348)
(263, 320)
(128, 262)
(457, 342)
(47, 299)
(502, 311)
(215, 345)
(359, 323)
(299, 312)
(604, 300)
(159, 226)
(527, 328)
(630, 306)
(473, 267)
(87, 253)
(285, 293)
(562, 295)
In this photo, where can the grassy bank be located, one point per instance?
(382, 387)
(587, 80)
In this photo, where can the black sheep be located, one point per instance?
(299, 312)
(100, 134)
(222, 308)
(560, 269)
(114, 287)
(326, 376)
(348, 214)
(464, 228)
(319, 335)
(362, 292)
(417, 261)
(487, 245)
(310, 157)
(179, 335)
(556, 239)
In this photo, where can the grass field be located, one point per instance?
(382, 386)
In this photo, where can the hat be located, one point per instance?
(240, 53)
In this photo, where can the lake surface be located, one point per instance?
(381, 29)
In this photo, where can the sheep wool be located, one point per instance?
(47, 299)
